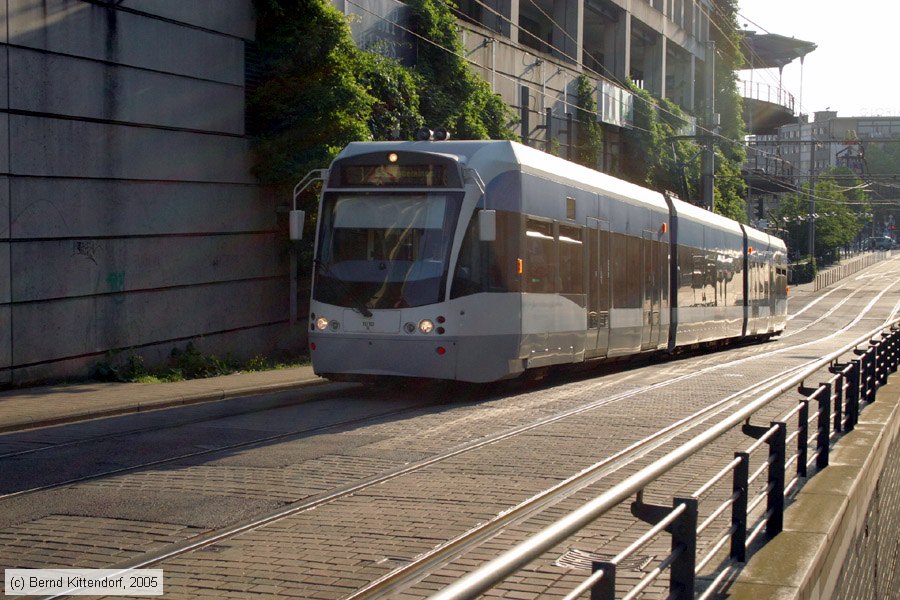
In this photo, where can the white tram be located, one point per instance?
(478, 260)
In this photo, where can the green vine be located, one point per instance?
(589, 138)
(453, 96)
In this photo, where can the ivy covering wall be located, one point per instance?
(318, 92)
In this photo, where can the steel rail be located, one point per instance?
(483, 578)
(326, 497)
(227, 448)
(442, 554)
(158, 411)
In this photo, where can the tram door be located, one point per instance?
(651, 278)
(597, 343)
(754, 290)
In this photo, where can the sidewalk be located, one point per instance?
(28, 408)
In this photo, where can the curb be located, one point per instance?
(172, 402)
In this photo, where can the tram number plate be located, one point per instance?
(380, 322)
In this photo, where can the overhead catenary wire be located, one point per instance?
(470, 61)
(539, 92)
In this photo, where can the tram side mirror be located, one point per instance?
(297, 217)
(487, 225)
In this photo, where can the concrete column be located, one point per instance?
(619, 56)
(690, 83)
(655, 68)
(513, 31)
(5, 279)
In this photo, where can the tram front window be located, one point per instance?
(385, 250)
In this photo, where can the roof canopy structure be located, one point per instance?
(768, 50)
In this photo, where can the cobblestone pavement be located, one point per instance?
(342, 544)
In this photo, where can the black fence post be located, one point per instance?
(853, 393)
(884, 360)
(605, 589)
(802, 437)
(683, 530)
(739, 487)
(775, 500)
(823, 437)
(684, 541)
(895, 348)
(871, 381)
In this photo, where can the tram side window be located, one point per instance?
(469, 276)
(571, 260)
(540, 257)
(487, 266)
(625, 257)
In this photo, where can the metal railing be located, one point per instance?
(835, 274)
(767, 93)
(856, 374)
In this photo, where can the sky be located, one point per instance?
(855, 69)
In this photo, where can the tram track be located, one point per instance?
(140, 430)
(298, 433)
(406, 575)
(518, 512)
(321, 429)
(445, 552)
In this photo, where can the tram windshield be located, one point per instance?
(385, 250)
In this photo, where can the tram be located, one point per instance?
(481, 260)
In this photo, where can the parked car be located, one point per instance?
(880, 243)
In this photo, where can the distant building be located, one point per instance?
(839, 141)
(799, 151)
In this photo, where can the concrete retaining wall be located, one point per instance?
(129, 217)
(872, 566)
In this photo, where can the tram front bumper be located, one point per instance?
(346, 357)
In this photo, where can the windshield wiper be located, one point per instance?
(360, 305)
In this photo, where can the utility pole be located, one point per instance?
(708, 161)
(812, 193)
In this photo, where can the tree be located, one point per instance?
(654, 154)
(730, 188)
(589, 138)
(309, 102)
(840, 206)
(396, 112)
(452, 95)
(883, 158)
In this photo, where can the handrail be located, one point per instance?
(520, 555)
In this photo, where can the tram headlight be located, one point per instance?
(322, 323)
(426, 326)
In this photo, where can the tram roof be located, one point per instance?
(491, 157)
(504, 155)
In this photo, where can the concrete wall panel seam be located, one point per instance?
(74, 327)
(234, 18)
(103, 208)
(75, 148)
(116, 278)
(92, 30)
(121, 123)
